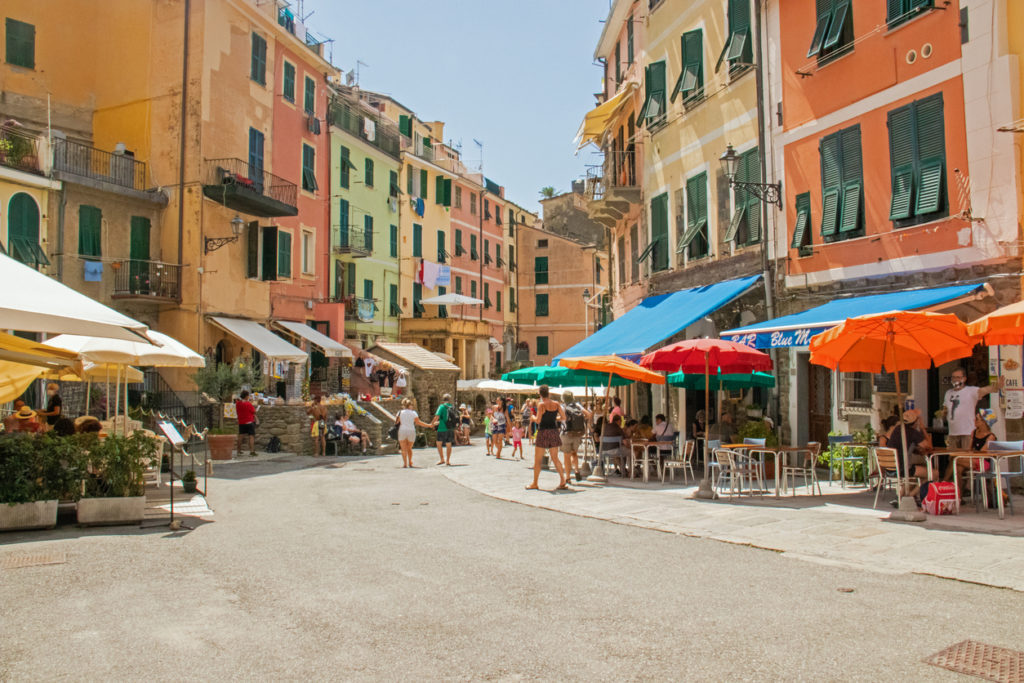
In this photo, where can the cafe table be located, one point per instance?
(995, 456)
(666, 445)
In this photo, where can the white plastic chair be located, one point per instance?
(805, 465)
(683, 462)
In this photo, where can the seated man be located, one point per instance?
(663, 432)
(613, 429)
(724, 430)
(913, 465)
(355, 435)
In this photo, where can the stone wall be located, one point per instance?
(291, 424)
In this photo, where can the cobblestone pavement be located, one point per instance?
(839, 527)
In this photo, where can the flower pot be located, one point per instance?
(129, 510)
(41, 514)
(189, 486)
(221, 445)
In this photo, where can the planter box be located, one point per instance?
(41, 514)
(111, 510)
(221, 446)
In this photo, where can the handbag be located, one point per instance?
(393, 431)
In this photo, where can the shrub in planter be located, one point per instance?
(36, 472)
(188, 481)
(114, 490)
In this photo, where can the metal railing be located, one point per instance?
(147, 279)
(361, 309)
(96, 164)
(423, 151)
(351, 240)
(341, 114)
(239, 173)
(20, 151)
(620, 168)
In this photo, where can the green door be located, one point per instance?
(138, 253)
(23, 230)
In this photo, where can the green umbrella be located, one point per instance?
(715, 382)
(562, 377)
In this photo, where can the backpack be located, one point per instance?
(449, 418)
(274, 445)
(940, 499)
(575, 422)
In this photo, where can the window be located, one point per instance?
(833, 31)
(308, 257)
(542, 346)
(393, 188)
(309, 103)
(690, 83)
(542, 244)
(368, 172)
(540, 270)
(472, 203)
(541, 305)
(284, 254)
(368, 290)
(368, 232)
(288, 87)
(23, 231)
(252, 253)
(458, 197)
(737, 50)
(487, 252)
(139, 230)
(343, 222)
(801, 231)
(350, 277)
(257, 62)
(841, 185)
(90, 225)
(309, 168)
(473, 254)
(629, 40)
(652, 112)
(497, 301)
(634, 257)
(695, 240)
(394, 309)
(487, 295)
(472, 288)
(745, 226)
(405, 125)
(897, 11)
(512, 299)
(487, 210)
(394, 241)
(622, 260)
(659, 233)
(917, 150)
(21, 44)
(497, 255)
(459, 251)
(256, 155)
(618, 64)
(442, 242)
(511, 257)
(497, 214)
(417, 240)
(442, 311)
(417, 295)
(424, 178)
(345, 165)
(458, 284)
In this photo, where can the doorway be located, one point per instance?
(819, 403)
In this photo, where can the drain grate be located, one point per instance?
(984, 661)
(17, 561)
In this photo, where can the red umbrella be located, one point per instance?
(707, 357)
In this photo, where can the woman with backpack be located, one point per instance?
(445, 421)
(549, 414)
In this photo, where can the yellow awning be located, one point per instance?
(596, 121)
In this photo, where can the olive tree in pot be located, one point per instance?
(114, 489)
(221, 382)
(35, 473)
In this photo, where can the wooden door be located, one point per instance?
(819, 403)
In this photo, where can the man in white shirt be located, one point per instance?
(354, 434)
(961, 404)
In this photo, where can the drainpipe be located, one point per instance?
(480, 246)
(181, 148)
(60, 231)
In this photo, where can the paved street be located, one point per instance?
(362, 570)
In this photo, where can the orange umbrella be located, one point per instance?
(613, 365)
(1002, 326)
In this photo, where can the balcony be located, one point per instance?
(118, 172)
(612, 190)
(343, 116)
(352, 242)
(19, 151)
(443, 328)
(141, 281)
(361, 310)
(236, 185)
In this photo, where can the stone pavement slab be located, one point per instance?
(978, 548)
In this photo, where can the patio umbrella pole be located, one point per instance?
(598, 476)
(908, 511)
(704, 490)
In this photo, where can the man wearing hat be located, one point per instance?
(25, 420)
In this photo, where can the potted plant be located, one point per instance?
(114, 489)
(188, 481)
(758, 429)
(35, 473)
(221, 442)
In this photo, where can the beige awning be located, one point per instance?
(596, 121)
(330, 348)
(261, 339)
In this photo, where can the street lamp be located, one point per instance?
(588, 303)
(215, 243)
(766, 192)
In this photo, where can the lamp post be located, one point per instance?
(588, 303)
(215, 243)
(766, 192)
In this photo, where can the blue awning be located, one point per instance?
(798, 328)
(657, 318)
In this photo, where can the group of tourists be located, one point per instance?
(24, 420)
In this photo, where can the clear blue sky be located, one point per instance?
(517, 76)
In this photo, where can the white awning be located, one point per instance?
(330, 347)
(262, 339)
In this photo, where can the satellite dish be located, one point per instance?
(350, 78)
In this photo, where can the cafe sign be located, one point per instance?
(777, 339)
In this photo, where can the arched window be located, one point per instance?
(23, 231)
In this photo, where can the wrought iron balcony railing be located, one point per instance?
(19, 151)
(147, 280)
(341, 114)
(251, 190)
(84, 161)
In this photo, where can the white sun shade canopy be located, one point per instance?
(166, 352)
(261, 339)
(329, 347)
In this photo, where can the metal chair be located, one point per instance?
(980, 478)
(807, 460)
(683, 462)
(839, 452)
(888, 468)
(709, 455)
(611, 447)
(735, 467)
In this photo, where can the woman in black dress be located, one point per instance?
(549, 414)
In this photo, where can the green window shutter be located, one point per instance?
(343, 223)
(288, 89)
(417, 240)
(405, 125)
(487, 295)
(394, 308)
(840, 17)
(801, 233)
(309, 169)
(344, 164)
(824, 14)
(448, 192)
(540, 270)
(656, 106)
(894, 10)
(368, 172)
(270, 252)
(542, 346)
(439, 189)
(830, 149)
(424, 179)
(541, 305)
(90, 221)
(393, 187)
(258, 61)
(853, 188)
(21, 43)
(458, 242)
(850, 219)
(472, 248)
(442, 242)
(138, 238)
(417, 296)
(252, 239)
(497, 301)
(659, 231)
(284, 254)
(737, 46)
(752, 173)
(309, 103)
(691, 77)
(901, 160)
(931, 154)
(734, 224)
(696, 218)
(350, 279)
(829, 212)
(368, 232)
(368, 289)
(394, 241)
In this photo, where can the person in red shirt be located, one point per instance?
(246, 413)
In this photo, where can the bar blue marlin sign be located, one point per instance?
(777, 339)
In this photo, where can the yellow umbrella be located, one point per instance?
(15, 378)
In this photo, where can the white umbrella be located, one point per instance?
(165, 352)
(34, 302)
(452, 300)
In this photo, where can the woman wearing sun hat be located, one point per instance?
(25, 420)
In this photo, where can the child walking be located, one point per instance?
(487, 431)
(517, 439)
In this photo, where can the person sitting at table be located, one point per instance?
(613, 428)
(11, 421)
(88, 424)
(25, 420)
(914, 463)
(643, 431)
(725, 429)
(663, 432)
